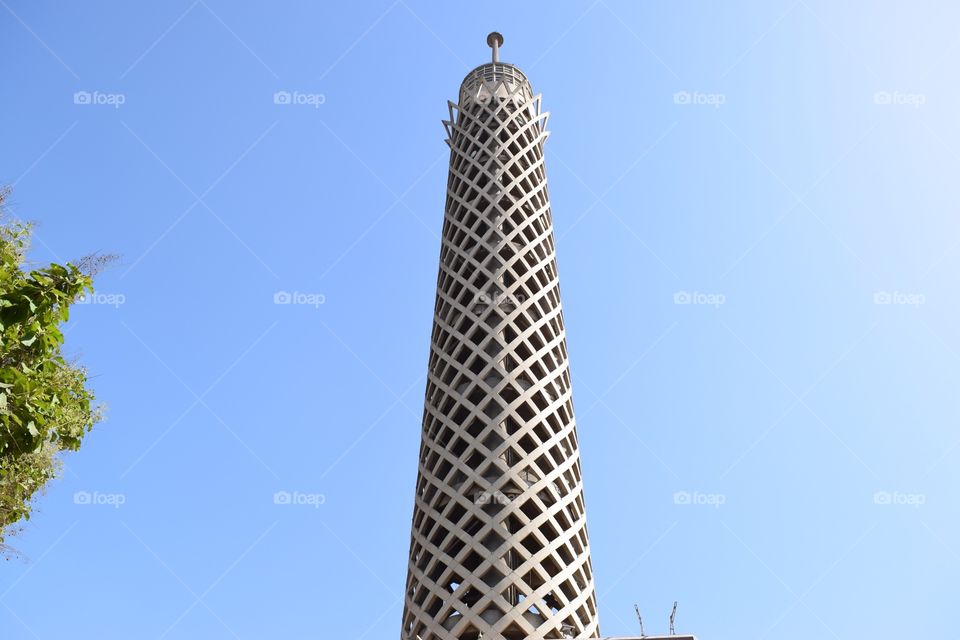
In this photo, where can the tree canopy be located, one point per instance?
(45, 404)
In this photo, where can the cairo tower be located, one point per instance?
(499, 545)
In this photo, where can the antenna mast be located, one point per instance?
(494, 40)
(640, 620)
(673, 615)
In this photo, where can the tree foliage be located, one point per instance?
(45, 405)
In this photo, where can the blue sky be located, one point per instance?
(780, 454)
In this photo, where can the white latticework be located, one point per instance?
(499, 538)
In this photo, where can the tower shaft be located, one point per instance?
(499, 539)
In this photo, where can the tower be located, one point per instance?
(499, 540)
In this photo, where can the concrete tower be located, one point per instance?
(499, 540)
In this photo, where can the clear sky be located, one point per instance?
(780, 454)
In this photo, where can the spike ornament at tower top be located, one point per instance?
(495, 41)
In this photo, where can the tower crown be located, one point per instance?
(495, 79)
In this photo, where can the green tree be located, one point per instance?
(45, 405)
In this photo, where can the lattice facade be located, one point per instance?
(499, 537)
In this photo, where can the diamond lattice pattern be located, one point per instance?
(499, 539)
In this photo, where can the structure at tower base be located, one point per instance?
(499, 547)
